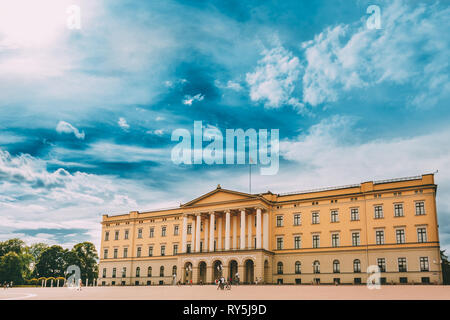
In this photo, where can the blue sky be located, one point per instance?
(86, 115)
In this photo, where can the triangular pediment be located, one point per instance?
(220, 195)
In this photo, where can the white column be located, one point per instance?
(234, 232)
(219, 235)
(227, 230)
(266, 230)
(258, 228)
(242, 236)
(184, 235)
(211, 232)
(206, 235)
(197, 233)
(193, 231)
(249, 231)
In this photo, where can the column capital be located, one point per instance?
(260, 208)
(242, 209)
(227, 211)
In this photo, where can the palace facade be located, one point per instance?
(329, 235)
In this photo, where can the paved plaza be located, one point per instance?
(209, 292)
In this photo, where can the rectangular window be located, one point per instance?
(297, 242)
(424, 266)
(152, 232)
(335, 240)
(116, 235)
(420, 208)
(106, 235)
(315, 218)
(104, 273)
(139, 251)
(381, 264)
(115, 253)
(163, 250)
(402, 265)
(421, 235)
(126, 234)
(189, 229)
(297, 219)
(175, 249)
(279, 243)
(125, 252)
(316, 241)
(378, 212)
(163, 231)
(105, 254)
(176, 230)
(188, 248)
(139, 233)
(279, 221)
(150, 251)
(400, 236)
(398, 210)
(124, 272)
(114, 272)
(355, 239)
(201, 246)
(379, 235)
(354, 214)
(334, 216)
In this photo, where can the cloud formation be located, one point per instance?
(65, 127)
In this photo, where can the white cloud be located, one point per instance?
(273, 80)
(188, 100)
(65, 127)
(123, 124)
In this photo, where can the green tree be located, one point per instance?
(86, 256)
(12, 245)
(445, 268)
(36, 250)
(52, 262)
(11, 268)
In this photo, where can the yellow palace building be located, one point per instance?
(329, 235)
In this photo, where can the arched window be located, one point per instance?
(298, 267)
(149, 272)
(161, 271)
(280, 267)
(356, 266)
(174, 270)
(316, 267)
(336, 266)
(138, 272)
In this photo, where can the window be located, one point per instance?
(163, 231)
(402, 265)
(138, 272)
(139, 251)
(398, 210)
(315, 218)
(378, 212)
(354, 214)
(334, 216)
(279, 243)
(174, 270)
(420, 208)
(149, 271)
(400, 236)
(106, 235)
(335, 240)
(298, 267)
(105, 254)
(336, 266)
(115, 253)
(297, 242)
(116, 235)
(125, 252)
(316, 241)
(114, 272)
(280, 268)
(188, 248)
(424, 266)
(175, 249)
(381, 264)
(379, 236)
(189, 229)
(176, 230)
(316, 267)
(150, 251)
(201, 246)
(126, 234)
(279, 221)
(356, 266)
(163, 250)
(421, 235)
(297, 219)
(355, 239)
(104, 273)
(152, 232)
(139, 233)
(161, 271)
